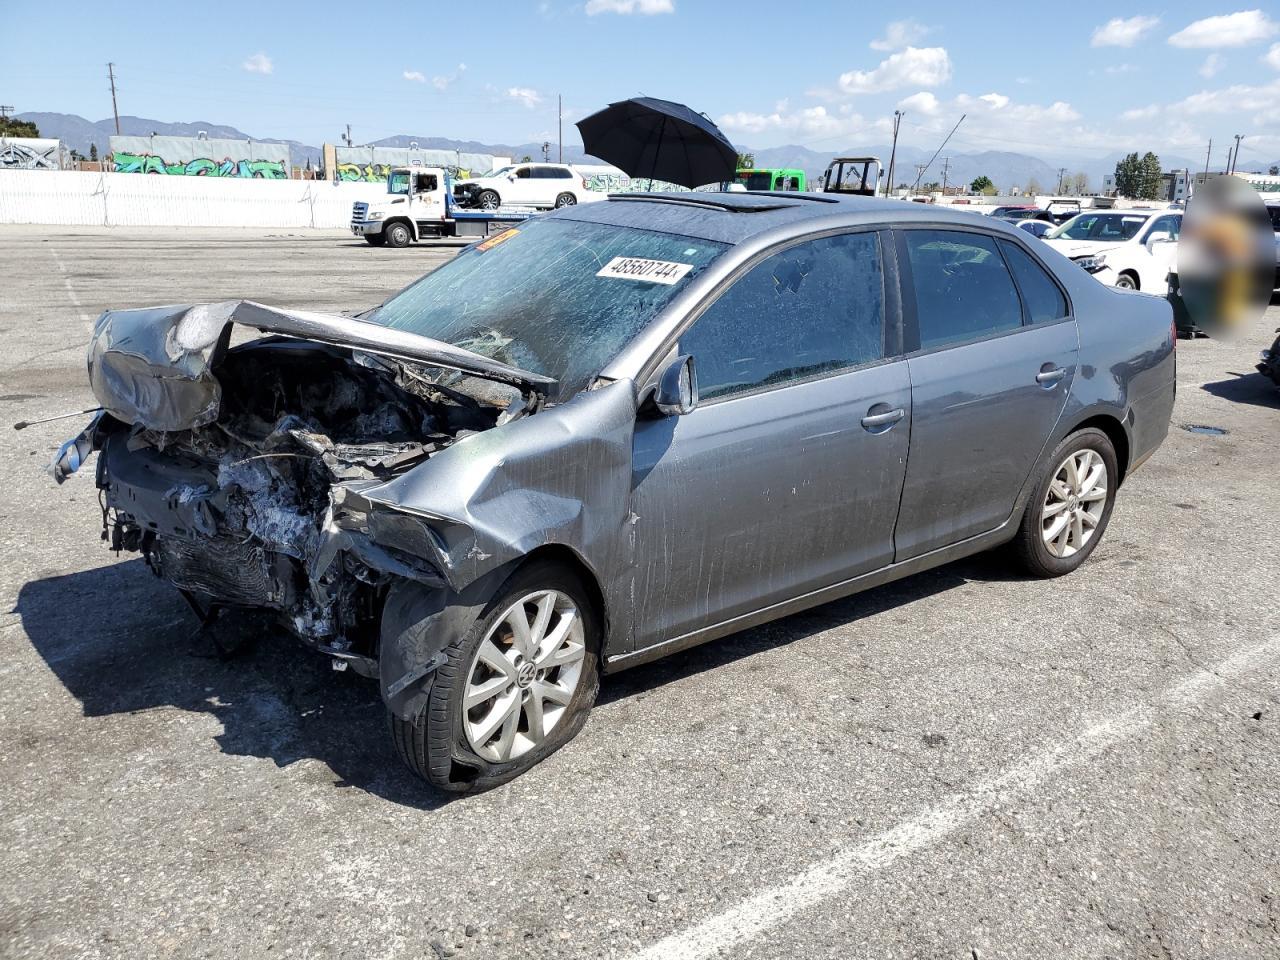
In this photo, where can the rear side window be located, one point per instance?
(813, 308)
(963, 290)
(1043, 299)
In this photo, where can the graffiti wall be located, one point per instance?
(31, 153)
(373, 164)
(199, 157)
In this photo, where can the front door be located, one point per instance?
(786, 477)
(989, 381)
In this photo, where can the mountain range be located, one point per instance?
(1005, 168)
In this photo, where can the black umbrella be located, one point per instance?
(660, 140)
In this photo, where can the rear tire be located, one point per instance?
(445, 743)
(489, 200)
(397, 235)
(1070, 507)
(565, 200)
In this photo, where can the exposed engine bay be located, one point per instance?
(237, 472)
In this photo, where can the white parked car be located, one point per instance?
(1132, 249)
(542, 185)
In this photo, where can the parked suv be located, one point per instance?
(1130, 249)
(525, 184)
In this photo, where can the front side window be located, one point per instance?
(555, 297)
(523, 173)
(813, 308)
(1112, 227)
(1043, 299)
(963, 290)
(1165, 226)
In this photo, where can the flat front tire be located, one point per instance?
(517, 687)
(1071, 506)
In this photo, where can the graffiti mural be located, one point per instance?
(29, 153)
(373, 164)
(200, 157)
(363, 173)
(200, 167)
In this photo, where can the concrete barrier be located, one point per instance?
(70, 198)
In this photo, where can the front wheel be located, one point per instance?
(565, 200)
(513, 690)
(489, 200)
(397, 235)
(1127, 281)
(1071, 506)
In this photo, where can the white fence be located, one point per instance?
(137, 200)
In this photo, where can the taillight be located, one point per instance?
(1173, 332)
(584, 184)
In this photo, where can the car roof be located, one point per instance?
(735, 217)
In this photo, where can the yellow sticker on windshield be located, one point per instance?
(496, 239)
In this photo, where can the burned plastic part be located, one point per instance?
(154, 366)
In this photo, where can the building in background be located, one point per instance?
(33, 153)
(1175, 186)
(199, 157)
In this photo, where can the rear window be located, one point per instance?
(1041, 296)
(552, 296)
(963, 290)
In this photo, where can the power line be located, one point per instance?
(893, 151)
(916, 188)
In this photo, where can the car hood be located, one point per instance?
(1081, 248)
(153, 366)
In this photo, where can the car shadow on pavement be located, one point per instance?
(990, 567)
(1251, 388)
(122, 642)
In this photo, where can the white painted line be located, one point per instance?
(66, 282)
(745, 922)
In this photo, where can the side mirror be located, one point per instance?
(1158, 238)
(677, 391)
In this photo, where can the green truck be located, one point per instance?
(771, 178)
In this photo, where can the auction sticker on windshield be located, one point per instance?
(651, 271)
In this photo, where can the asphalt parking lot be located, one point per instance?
(965, 764)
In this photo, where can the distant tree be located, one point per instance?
(1152, 177)
(746, 161)
(1129, 176)
(13, 127)
(1080, 183)
(526, 158)
(1274, 171)
(932, 187)
(980, 185)
(93, 151)
(1033, 187)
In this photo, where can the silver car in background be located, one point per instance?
(618, 431)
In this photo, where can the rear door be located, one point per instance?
(991, 362)
(786, 477)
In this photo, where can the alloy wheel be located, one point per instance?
(523, 676)
(1074, 503)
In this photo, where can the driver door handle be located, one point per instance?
(872, 420)
(1052, 375)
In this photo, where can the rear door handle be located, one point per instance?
(1050, 375)
(886, 419)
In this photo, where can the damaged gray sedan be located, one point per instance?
(617, 431)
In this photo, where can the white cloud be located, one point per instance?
(810, 123)
(997, 100)
(624, 7)
(899, 34)
(1230, 30)
(1120, 32)
(259, 63)
(1238, 98)
(912, 67)
(525, 96)
(922, 102)
(1272, 56)
(1141, 113)
(1212, 64)
(1118, 68)
(443, 82)
(417, 76)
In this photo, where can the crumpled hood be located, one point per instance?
(1082, 248)
(153, 366)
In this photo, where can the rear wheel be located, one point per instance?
(1127, 281)
(1071, 506)
(565, 200)
(513, 690)
(489, 200)
(397, 235)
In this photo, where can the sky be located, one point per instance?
(1059, 82)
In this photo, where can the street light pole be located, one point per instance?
(893, 151)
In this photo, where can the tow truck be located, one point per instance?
(853, 175)
(419, 206)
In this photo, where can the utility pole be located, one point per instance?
(946, 168)
(893, 151)
(546, 150)
(920, 169)
(1061, 173)
(560, 126)
(1208, 153)
(5, 110)
(111, 75)
(1236, 157)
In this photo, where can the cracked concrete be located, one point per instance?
(161, 802)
